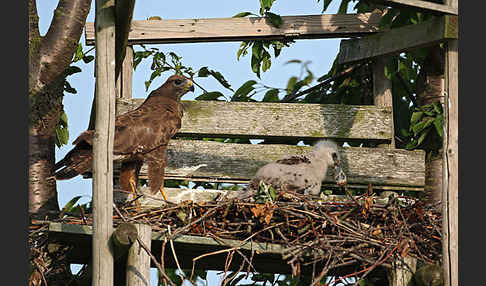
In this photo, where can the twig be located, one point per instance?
(175, 257)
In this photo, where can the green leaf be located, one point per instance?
(255, 65)
(69, 205)
(271, 96)
(438, 126)
(203, 72)
(266, 62)
(343, 7)
(147, 84)
(87, 59)
(243, 14)
(220, 78)
(243, 50)
(78, 55)
(244, 89)
(326, 4)
(72, 70)
(291, 84)
(275, 19)
(422, 137)
(437, 107)
(68, 88)
(214, 95)
(416, 116)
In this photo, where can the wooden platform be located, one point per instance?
(267, 257)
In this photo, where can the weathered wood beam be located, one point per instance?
(124, 15)
(103, 144)
(267, 258)
(419, 5)
(382, 94)
(138, 262)
(230, 162)
(399, 40)
(264, 120)
(450, 195)
(251, 28)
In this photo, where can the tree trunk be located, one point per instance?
(49, 57)
(430, 87)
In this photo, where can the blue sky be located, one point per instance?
(217, 56)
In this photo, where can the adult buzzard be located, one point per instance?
(302, 173)
(142, 134)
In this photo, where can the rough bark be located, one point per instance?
(430, 87)
(49, 56)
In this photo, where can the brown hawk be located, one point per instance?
(142, 134)
(302, 173)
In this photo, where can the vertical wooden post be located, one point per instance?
(124, 80)
(450, 169)
(382, 93)
(138, 262)
(102, 251)
(402, 271)
(450, 164)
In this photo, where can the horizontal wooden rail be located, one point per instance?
(239, 29)
(399, 40)
(279, 120)
(267, 257)
(419, 5)
(236, 163)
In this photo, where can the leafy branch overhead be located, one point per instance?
(260, 55)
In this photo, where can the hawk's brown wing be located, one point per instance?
(147, 127)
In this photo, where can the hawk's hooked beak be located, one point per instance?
(339, 175)
(190, 86)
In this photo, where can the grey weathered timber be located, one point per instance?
(102, 252)
(124, 80)
(250, 28)
(124, 15)
(399, 40)
(402, 271)
(419, 5)
(267, 257)
(138, 261)
(382, 93)
(236, 163)
(450, 195)
(262, 120)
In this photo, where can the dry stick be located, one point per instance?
(175, 257)
(149, 252)
(238, 251)
(328, 81)
(227, 263)
(369, 268)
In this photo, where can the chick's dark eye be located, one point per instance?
(178, 81)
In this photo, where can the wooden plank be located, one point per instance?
(264, 120)
(399, 40)
(226, 162)
(103, 144)
(138, 262)
(267, 257)
(419, 5)
(250, 28)
(450, 235)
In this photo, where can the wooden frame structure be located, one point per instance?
(298, 27)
